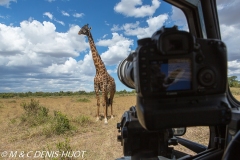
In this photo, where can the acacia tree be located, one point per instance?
(233, 82)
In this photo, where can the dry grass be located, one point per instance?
(97, 139)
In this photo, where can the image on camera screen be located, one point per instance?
(171, 75)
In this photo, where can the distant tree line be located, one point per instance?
(233, 82)
(61, 93)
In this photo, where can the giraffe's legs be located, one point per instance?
(105, 116)
(98, 98)
(105, 105)
(112, 92)
(111, 111)
(111, 102)
(98, 107)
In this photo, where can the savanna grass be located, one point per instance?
(37, 115)
(83, 100)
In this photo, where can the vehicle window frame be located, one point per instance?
(192, 11)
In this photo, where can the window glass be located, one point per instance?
(178, 18)
(199, 134)
(228, 12)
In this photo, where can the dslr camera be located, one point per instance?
(180, 81)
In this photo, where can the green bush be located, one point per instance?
(31, 108)
(61, 147)
(64, 146)
(34, 113)
(61, 123)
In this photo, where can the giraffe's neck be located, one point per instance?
(99, 65)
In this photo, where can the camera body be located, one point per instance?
(174, 64)
(140, 143)
(180, 80)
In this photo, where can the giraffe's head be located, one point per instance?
(85, 30)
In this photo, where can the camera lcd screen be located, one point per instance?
(171, 75)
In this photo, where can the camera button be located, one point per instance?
(143, 58)
(152, 50)
(145, 88)
(144, 81)
(207, 77)
(144, 73)
(199, 58)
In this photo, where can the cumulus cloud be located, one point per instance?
(40, 38)
(135, 8)
(35, 57)
(134, 29)
(228, 12)
(233, 68)
(118, 48)
(35, 53)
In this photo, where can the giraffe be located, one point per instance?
(102, 81)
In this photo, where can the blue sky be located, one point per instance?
(40, 49)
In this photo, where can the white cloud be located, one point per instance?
(135, 8)
(79, 73)
(6, 3)
(105, 35)
(65, 13)
(9, 34)
(233, 68)
(78, 15)
(118, 48)
(228, 12)
(179, 19)
(106, 23)
(231, 37)
(38, 55)
(116, 28)
(60, 22)
(48, 14)
(4, 17)
(234, 64)
(50, 0)
(82, 68)
(134, 29)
